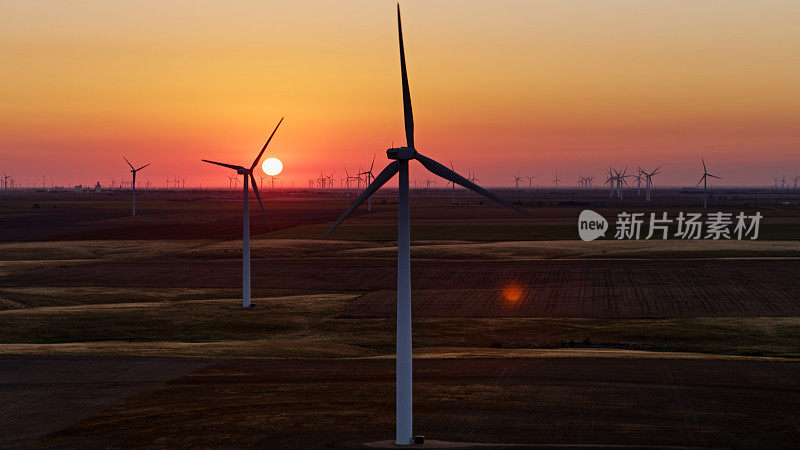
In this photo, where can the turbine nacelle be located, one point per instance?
(402, 153)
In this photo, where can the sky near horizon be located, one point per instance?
(497, 87)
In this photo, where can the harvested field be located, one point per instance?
(445, 288)
(562, 401)
(41, 395)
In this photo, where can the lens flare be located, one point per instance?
(512, 293)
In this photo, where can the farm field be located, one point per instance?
(522, 334)
(600, 288)
(346, 403)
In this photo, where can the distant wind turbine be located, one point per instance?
(369, 176)
(401, 157)
(517, 179)
(133, 184)
(610, 182)
(704, 180)
(649, 181)
(248, 176)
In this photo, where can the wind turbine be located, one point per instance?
(556, 180)
(649, 181)
(248, 176)
(610, 182)
(620, 177)
(401, 157)
(517, 179)
(530, 181)
(133, 183)
(639, 182)
(369, 176)
(704, 180)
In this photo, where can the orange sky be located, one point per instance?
(534, 86)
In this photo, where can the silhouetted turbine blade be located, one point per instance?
(258, 197)
(224, 165)
(129, 163)
(408, 114)
(701, 180)
(266, 144)
(442, 171)
(704, 165)
(386, 174)
(714, 176)
(140, 168)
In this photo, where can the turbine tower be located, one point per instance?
(248, 176)
(133, 184)
(556, 180)
(401, 157)
(704, 180)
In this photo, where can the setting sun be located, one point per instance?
(272, 166)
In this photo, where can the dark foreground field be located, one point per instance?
(346, 403)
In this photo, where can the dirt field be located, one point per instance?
(202, 214)
(345, 403)
(453, 288)
(40, 395)
(522, 334)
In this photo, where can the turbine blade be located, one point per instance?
(140, 168)
(442, 171)
(129, 163)
(701, 180)
(258, 197)
(372, 165)
(407, 113)
(224, 165)
(714, 176)
(704, 165)
(255, 162)
(386, 174)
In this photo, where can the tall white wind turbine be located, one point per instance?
(704, 180)
(133, 184)
(248, 177)
(401, 156)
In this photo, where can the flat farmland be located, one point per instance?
(589, 288)
(596, 289)
(556, 401)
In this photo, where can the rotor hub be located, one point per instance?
(405, 153)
